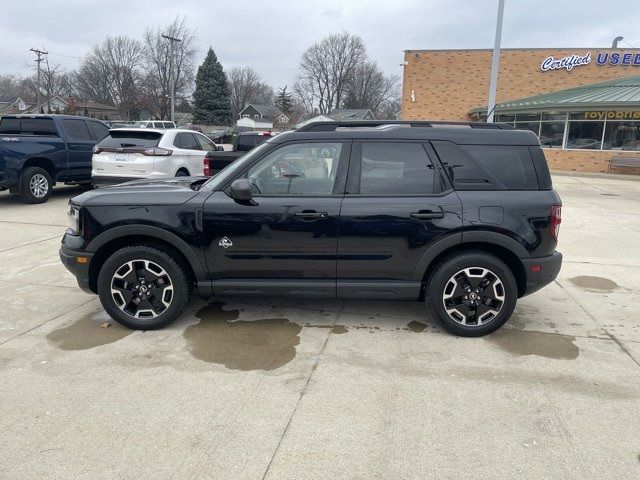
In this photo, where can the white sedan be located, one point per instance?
(134, 153)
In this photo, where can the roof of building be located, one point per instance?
(617, 93)
(350, 113)
(265, 110)
(92, 104)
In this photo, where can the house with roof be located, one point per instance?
(351, 114)
(258, 117)
(57, 104)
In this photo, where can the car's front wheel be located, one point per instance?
(472, 293)
(143, 288)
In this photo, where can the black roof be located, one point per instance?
(457, 132)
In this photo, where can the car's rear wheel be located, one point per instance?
(143, 288)
(472, 293)
(182, 173)
(36, 185)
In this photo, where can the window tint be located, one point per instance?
(187, 141)
(585, 135)
(129, 138)
(483, 167)
(76, 130)
(298, 169)
(9, 126)
(97, 130)
(28, 126)
(205, 143)
(395, 169)
(247, 141)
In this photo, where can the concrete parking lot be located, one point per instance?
(293, 389)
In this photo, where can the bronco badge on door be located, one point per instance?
(225, 242)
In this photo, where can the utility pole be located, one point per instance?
(172, 41)
(495, 64)
(40, 54)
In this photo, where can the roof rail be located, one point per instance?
(332, 126)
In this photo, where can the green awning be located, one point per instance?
(618, 94)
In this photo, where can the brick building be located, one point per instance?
(583, 103)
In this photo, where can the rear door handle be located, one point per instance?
(310, 214)
(428, 214)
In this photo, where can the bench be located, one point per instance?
(630, 162)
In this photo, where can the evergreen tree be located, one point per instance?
(284, 100)
(211, 97)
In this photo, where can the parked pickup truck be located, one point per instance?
(36, 151)
(245, 141)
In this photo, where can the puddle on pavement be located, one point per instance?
(87, 333)
(524, 342)
(594, 284)
(264, 344)
(416, 327)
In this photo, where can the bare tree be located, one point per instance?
(326, 69)
(246, 87)
(111, 73)
(156, 83)
(11, 86)
(389, 108)
(370, 87)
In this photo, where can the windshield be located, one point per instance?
(230, 170)
(127, 138)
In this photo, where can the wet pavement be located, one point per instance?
(253, 388)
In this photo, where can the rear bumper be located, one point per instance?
(106, 181)
(541, 271)
(69, 258)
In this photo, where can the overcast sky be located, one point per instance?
(271, 36)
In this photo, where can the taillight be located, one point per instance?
(206, 171)
(157, 152)
(555, 220)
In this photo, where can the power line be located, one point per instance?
(624, 41)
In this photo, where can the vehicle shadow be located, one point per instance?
(60, 191)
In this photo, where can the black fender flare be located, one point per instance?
(195, 259)
(461, 238)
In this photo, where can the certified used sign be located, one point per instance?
(601, 58)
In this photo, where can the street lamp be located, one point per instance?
(172, 40)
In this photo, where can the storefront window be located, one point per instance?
(585, 135)
(505, 118)
(533, 126)
(522, 117)
(622, 136)
(552, 134)
(554, 116)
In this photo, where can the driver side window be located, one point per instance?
(297, 169)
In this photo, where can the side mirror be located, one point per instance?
(240, 190)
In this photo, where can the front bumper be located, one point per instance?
(76, 261)
(541, 271)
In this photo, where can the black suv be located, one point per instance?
(462, 216)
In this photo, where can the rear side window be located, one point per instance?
(205, 143)
(247, 142)
(488, 167)
(97, 130)
(76, 130)
(128, 138)
(28, 126)
(395, 169)
(187, 141)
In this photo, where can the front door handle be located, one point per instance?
(310, 215)
(428, 214)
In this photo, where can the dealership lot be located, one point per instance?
(268, 388)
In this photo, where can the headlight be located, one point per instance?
(73, 220)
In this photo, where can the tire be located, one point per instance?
(146, 275)
(461, 277)
(182, 173)
(36, 185)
